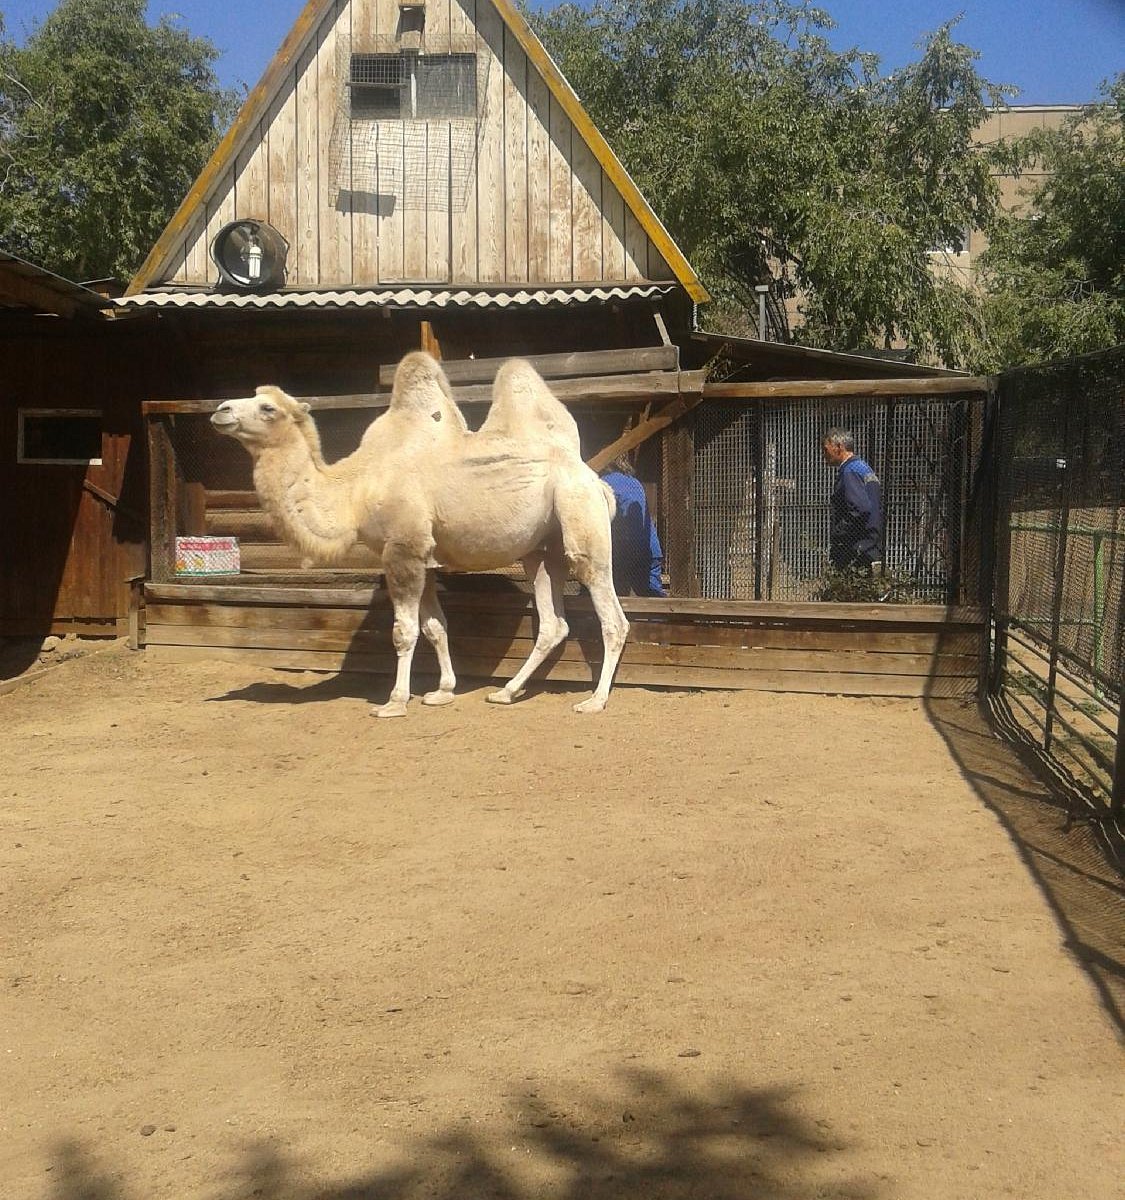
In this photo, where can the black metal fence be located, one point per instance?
(1060, 564)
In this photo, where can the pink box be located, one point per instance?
(207, 556)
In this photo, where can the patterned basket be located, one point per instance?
(207, 556)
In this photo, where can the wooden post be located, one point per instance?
(759, 459)
(136, 636)
(1117, 798)
(676, 495)
(193, 502)
(162, 498)
(428, 340)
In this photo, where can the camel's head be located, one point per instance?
(264, 419)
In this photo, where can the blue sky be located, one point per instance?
(1054, 51)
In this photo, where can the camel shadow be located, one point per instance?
(655, 1138)
(491, 630)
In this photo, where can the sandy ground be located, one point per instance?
(721, 945)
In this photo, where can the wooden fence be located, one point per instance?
(850, 649)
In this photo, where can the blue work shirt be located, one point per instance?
(637, 555)
(856, 520)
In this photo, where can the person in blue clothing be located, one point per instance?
(856, 509)
(637, 556)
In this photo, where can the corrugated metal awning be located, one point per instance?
(405, 297)
(24, 285)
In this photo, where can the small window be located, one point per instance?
(388, 87)
(59, 435)
(958, 243)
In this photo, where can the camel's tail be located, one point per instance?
(610, 499)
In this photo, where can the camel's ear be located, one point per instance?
(305, 408)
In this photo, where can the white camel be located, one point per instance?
(424, 492)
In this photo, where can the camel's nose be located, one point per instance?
(223, 415)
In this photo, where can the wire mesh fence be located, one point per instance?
(758, 520)
(1060, 560)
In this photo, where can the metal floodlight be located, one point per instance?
(250, 255)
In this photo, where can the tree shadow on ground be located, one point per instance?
(656, 1140)
(1074, 862)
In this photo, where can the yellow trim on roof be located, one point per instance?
(610, 163)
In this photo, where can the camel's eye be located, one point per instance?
(267, 410)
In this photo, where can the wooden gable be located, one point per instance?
(516, 186)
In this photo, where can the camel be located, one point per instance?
(424, 493)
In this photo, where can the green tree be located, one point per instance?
(1054, 271)
(772, 157)
(105, 122)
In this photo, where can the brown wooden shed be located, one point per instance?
(71, 482)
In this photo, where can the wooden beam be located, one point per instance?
(592, 389)
(161, 492)
(815, 615)
(632, 438)
(810, 388)
(427, 341)
(555, 366)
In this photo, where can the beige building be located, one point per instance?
(1016, 121)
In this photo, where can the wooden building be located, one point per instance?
(420, 175)
(72, 481)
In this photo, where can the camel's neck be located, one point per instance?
(310, 502)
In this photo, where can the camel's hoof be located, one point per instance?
(438, 698)
(503, 696)
(593, 705)
(393, 708)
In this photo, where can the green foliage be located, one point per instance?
(771, 156)
(855, 585)
(1054, 271)
(105, 122)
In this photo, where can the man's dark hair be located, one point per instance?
(622, 464)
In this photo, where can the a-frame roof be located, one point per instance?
(194, 212)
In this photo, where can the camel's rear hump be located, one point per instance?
(524, 407)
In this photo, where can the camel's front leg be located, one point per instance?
(406, 581)
(436, 631)
(548, 576)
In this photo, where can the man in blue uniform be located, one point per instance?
(856, 509)
(637, 556)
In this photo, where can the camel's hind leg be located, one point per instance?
(406, 582)
(548, 573)
(615, 629)
(584, 516)
(437, 634)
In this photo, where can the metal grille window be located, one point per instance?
(413, 86)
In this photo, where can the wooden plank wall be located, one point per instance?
(865, 650)
(72, 534)
(514, 196)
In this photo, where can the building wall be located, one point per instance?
(1014, 191)
(72, 534)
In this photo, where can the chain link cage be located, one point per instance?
(757, 520)
(1060, 560)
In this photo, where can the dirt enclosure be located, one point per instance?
(725, 945)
